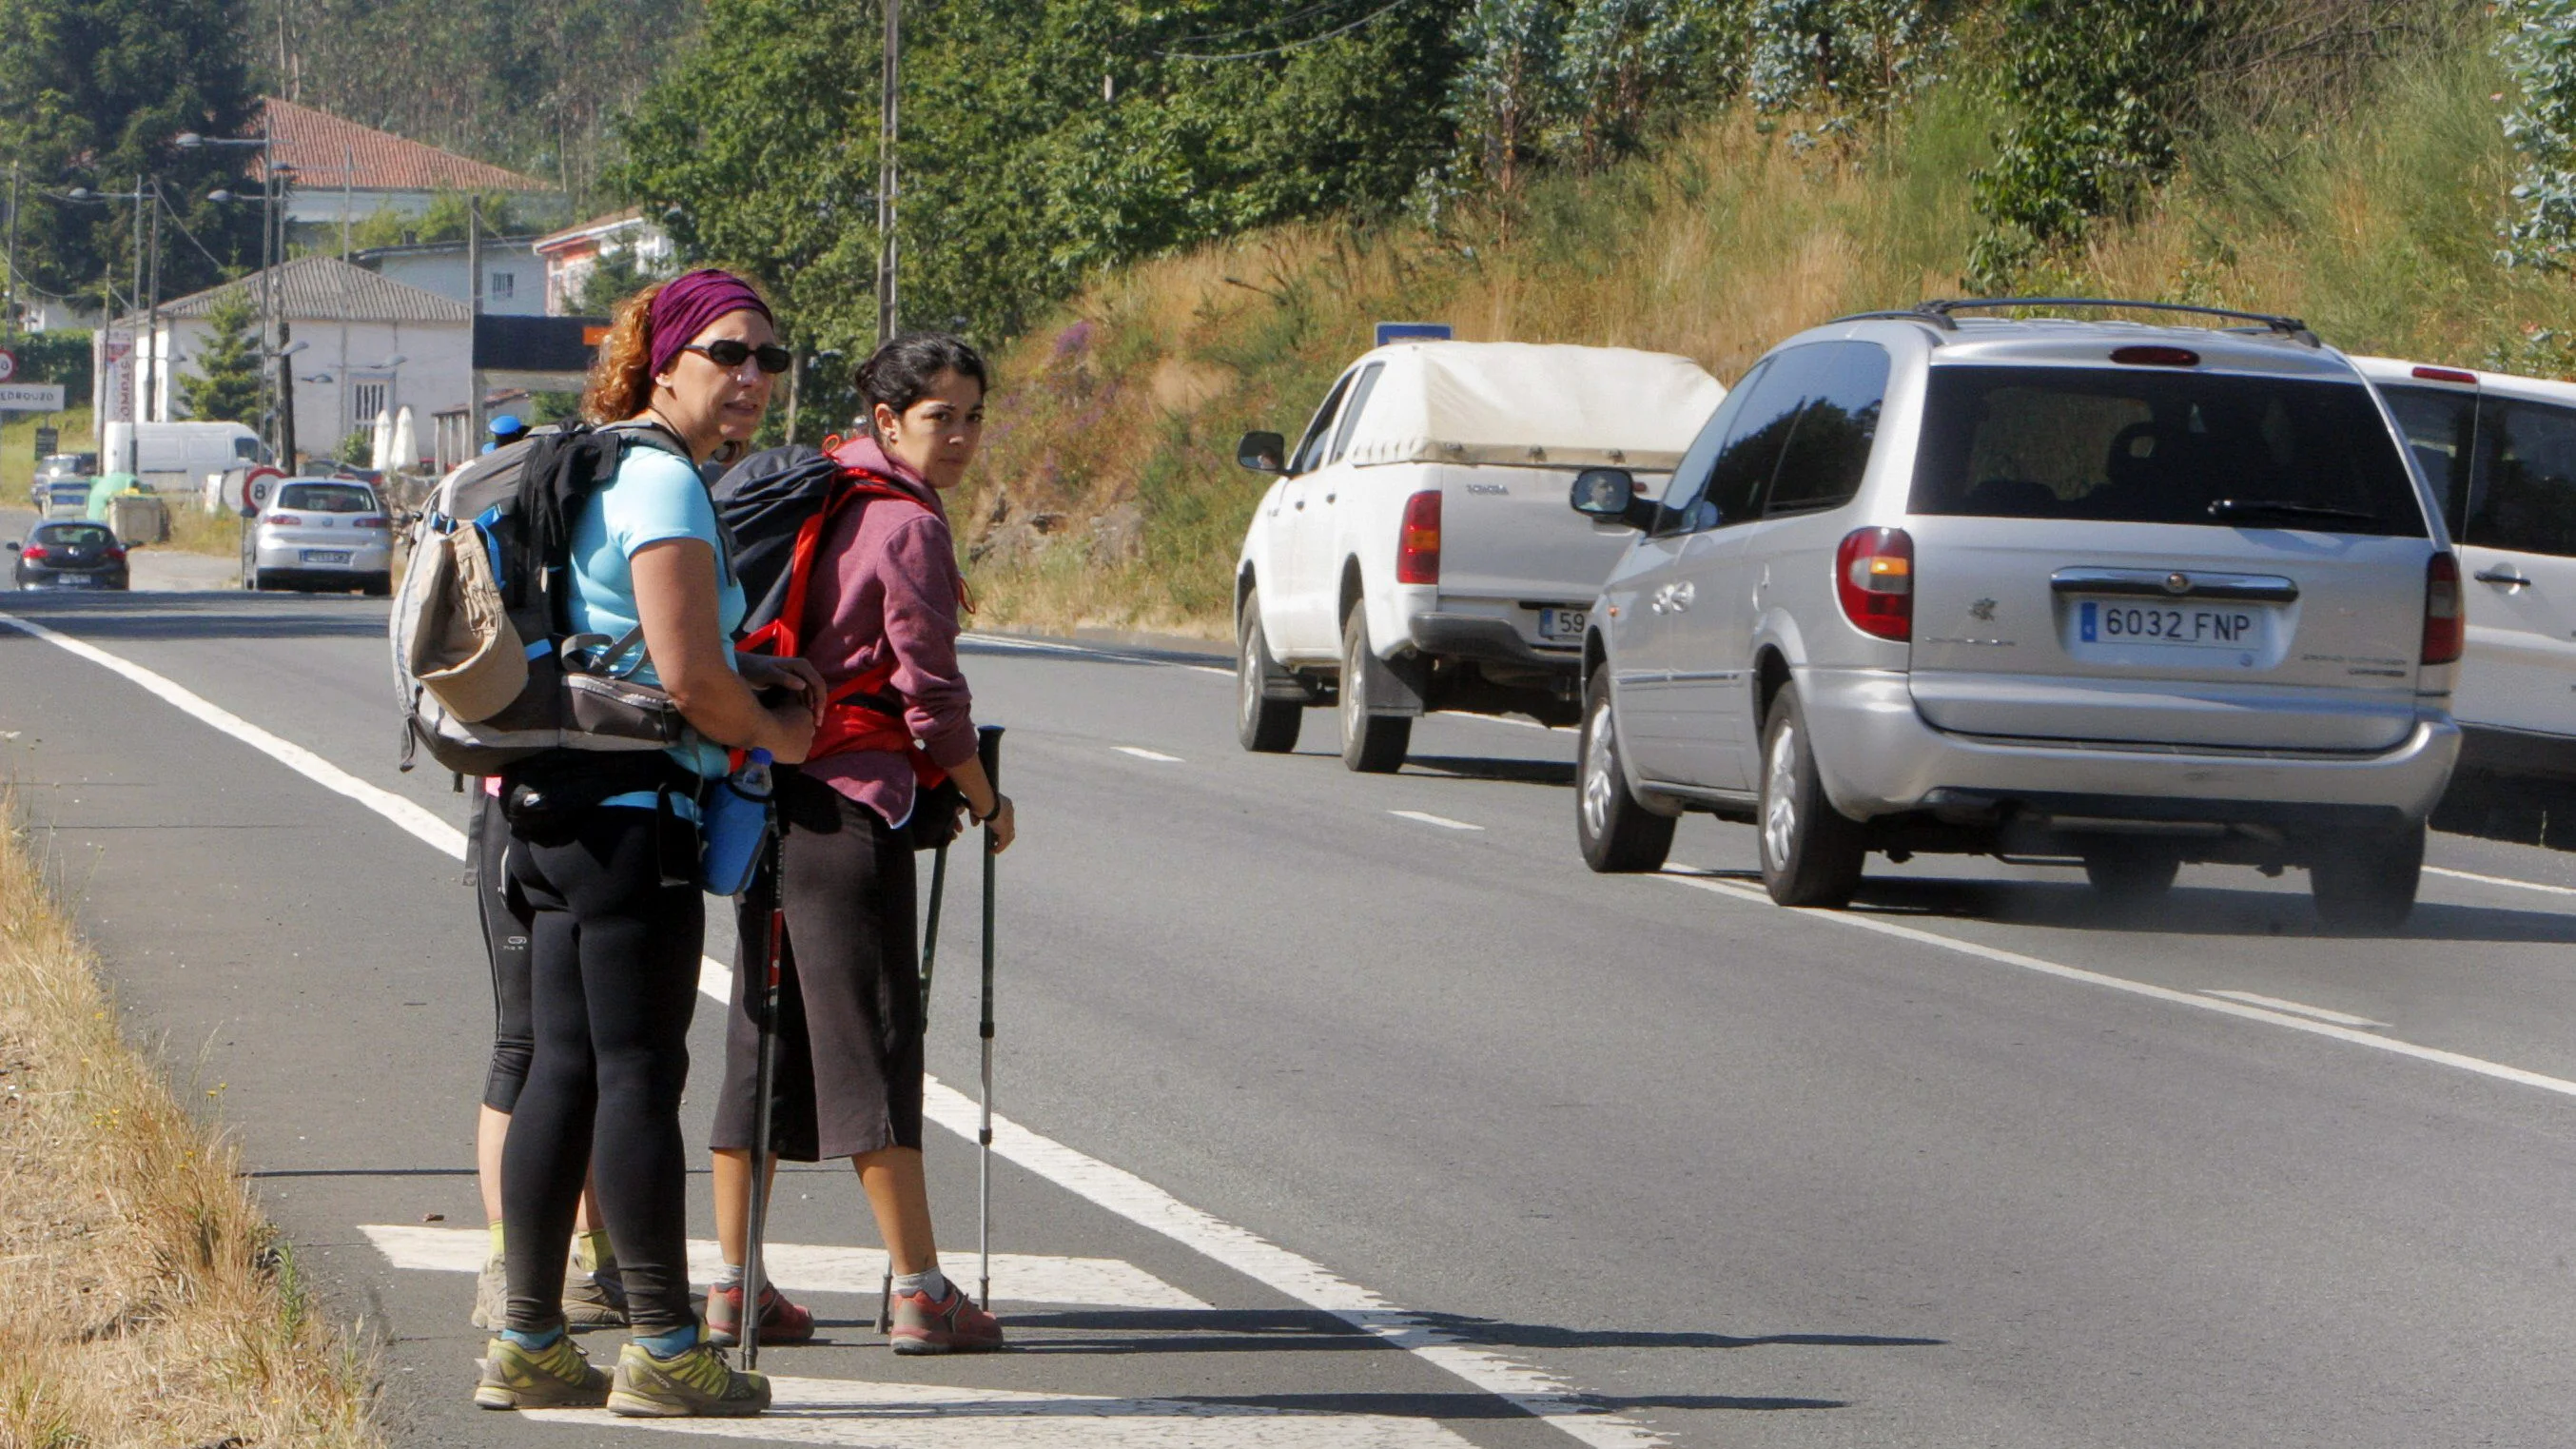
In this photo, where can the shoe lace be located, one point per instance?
(703, 1368)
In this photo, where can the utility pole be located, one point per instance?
(348, 194)
(152, 364)
(888, 131)
(474, 311)
(9, 312)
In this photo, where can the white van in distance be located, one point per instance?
(1415, 552)
(176, 457)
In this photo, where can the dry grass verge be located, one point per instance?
(144, 1300)
(194, 530)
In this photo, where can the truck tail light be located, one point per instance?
(2446, 621)
(1417, 544)
(1874, 575)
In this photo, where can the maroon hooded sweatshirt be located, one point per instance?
(886, 587)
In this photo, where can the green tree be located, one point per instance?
(94, 93)
(224, 385)
(2100, 90)
(2539, 46)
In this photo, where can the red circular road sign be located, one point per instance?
(8, 364)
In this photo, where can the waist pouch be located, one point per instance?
(548, 796)
(934, 813)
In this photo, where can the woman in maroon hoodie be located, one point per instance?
(882, 602)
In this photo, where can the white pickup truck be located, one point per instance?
(1416, 553)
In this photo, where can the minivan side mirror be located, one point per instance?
(1609, 495)
(1262, 452)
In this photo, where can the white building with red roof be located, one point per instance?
(572, 254)
(343, 170)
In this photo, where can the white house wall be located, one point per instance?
(437, 372)
(444, 273)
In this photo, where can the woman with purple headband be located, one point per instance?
(602, 850)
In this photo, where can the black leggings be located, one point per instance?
(614, 981)
(506, 928)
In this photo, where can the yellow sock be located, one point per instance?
(591, 1251)
(496, 1238)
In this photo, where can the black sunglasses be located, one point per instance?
(729, 354)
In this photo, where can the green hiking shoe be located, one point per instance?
(554, 1377)
(695, 1383)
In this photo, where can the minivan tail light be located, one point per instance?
(2446, 374)
(2156, 356)
(2446, 621)
(1874, 576)
(1417, 545)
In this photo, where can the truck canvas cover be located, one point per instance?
(1520, 404)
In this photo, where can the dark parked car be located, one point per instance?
(69, 556)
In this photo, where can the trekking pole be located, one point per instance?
(988, 748)
(929, 964)
(770, 909)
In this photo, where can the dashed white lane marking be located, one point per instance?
(1425, 817)
(937, 1416)
(2500, 880)
(2298, 1008)
(821, 1268)
(1529, 1389)
(1693, 877)
(1157, 756)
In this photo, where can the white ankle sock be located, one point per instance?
(729, 1276)
(929, 1280)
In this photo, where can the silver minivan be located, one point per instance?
(2097, 592)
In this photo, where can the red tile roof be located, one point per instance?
(320, 146)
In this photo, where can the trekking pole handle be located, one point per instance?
(988, 753)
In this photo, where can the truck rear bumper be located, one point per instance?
(1498, 641)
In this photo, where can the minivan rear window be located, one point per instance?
(327, 498)
(2129, 445)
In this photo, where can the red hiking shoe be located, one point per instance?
(780, 1320)
(954, 1325)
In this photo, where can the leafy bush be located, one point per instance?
(225, 385)
(62, 357)
(2539, 47)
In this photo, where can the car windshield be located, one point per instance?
(2131, 445)
(327, 498)
(73, 535)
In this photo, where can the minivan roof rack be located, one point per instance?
(1939, 312)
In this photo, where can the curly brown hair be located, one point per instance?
(621, 375)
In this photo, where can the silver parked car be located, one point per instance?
(2078, 590)
(319, 533)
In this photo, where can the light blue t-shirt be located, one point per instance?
(654, 497)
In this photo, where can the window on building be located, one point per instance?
(368, 399)
(505, 284)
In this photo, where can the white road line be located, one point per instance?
(1682, 875)
(414, 820)
(940, 1416)
(2299, 1008)
(1157, 756)
(823, 1268)
(2500, 880)
(1443, 821)
(1529, 1389)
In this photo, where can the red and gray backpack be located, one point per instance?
(777, 506)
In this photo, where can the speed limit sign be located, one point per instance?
(8, 364)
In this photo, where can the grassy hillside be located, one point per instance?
(1109, 497)
(18, 446)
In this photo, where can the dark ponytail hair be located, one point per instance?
(899, 373)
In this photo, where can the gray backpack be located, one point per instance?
(485, 669)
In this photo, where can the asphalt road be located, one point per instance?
(1976, 1163)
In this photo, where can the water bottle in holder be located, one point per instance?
(737, 821)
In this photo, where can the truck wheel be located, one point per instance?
(1371, 744)
(1811, 852)
(1264, 726)
(2367, 882)
(1616, 833)
(2131, 872)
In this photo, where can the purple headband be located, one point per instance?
(682, 310)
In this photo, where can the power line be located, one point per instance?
(1272, 23)
(1334, 33)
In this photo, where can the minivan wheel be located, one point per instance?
(1811, 852)
(1264, 726)
(1616, 833)
(1373, 744)
(2367, 882)
(2131, 872)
